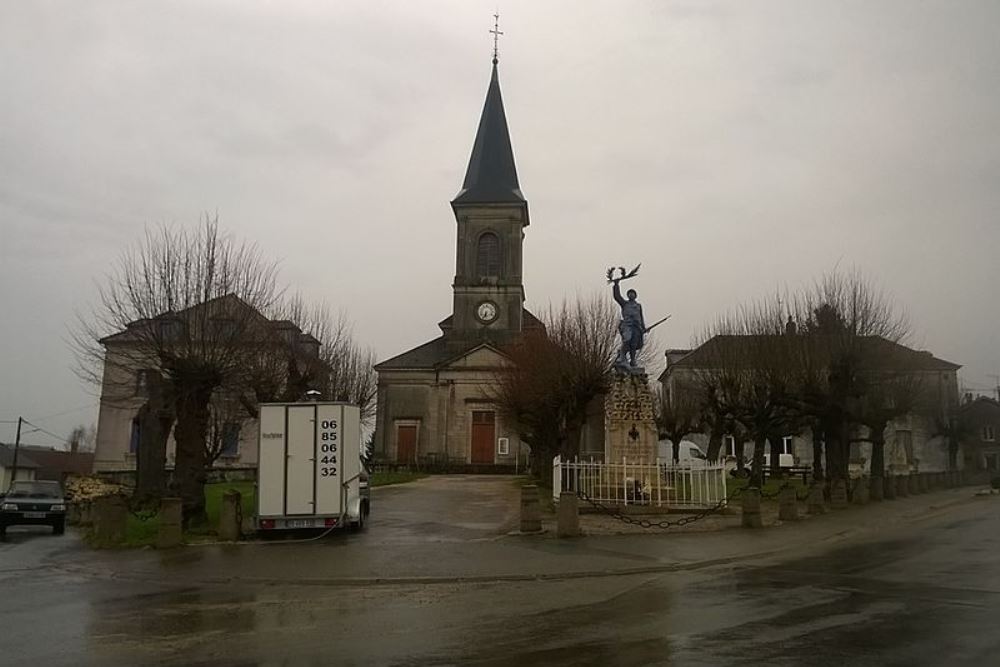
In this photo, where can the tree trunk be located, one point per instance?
(676, 449)
(775, 457)
(714, 444)
(952, 453)
(189, 463)
(757, 467)
(740, 448)
(817, 440)
(155, 419)
(151, 454)
(878, 455)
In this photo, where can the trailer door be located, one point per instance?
(300, 463)
(271, 461)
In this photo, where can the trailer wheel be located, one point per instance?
(359, 525)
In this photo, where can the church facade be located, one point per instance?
(434, 401)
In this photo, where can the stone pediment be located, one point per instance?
(481, 356)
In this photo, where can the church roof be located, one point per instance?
(437, 352)
(491, 177)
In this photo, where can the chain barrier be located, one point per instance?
(666, 523)
(239, 518)
(142, 510)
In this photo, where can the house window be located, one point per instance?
(230, 440)
(488, 255)
(988, 434)
(503, 446)
(728, 445)
(904, 439)
(133, 439)
(786, 445)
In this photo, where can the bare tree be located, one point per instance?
(191, 306)
(849, 326)
(554, 374)
(678, 414)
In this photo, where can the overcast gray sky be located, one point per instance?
(731, 147)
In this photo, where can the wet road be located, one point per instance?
(918, 593)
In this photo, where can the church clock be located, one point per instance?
(486, 312)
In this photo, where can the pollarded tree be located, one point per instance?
(746, 364)
(849, 326)
(678, 414)
(191, 306)
(554, 374)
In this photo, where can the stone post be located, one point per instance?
(889, 487)
(87, 513)
(751, 508)
(902, 486)
(110, 514)
(171, 532)
(531, 512)
(788, 504)
(838, 494)
(230, 516)
(876, 490)
(816, 502)
(920, 481)
(568, 515)
(861, 491)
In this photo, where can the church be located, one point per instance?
(434, 404)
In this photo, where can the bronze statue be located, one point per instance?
(632, 327)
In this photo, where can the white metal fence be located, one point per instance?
(625, 483)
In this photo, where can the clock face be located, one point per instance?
(486, 311)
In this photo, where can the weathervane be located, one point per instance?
(496, 35)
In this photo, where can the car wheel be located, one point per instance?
(59, 528)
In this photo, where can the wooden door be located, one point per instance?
(406, 443)
(483, 436)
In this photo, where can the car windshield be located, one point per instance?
(35, 490)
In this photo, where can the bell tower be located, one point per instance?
(491, 214)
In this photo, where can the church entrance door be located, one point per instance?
(483, 436)
(406, 443)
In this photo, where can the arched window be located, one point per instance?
(488, 255)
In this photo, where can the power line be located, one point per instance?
(60, 438)
(65, 412)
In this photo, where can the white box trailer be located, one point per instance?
(309, 472)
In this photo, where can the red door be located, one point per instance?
(406, 443)
(483, 436)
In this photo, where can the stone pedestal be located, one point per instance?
(751, 508)
(876, 490)
(531, 511)
(889, 487)
(110, 515)
(902, 486)
(171, 532)
(230, 516)
(816, 502)
(838, 494)
(629, 423)
(788, 504)
(859, 495)
(568, 515)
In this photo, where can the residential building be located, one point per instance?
(914, 442)
(127, 372)
(25, 467)
(433, 401)
(980, 418)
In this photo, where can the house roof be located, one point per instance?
(491, 177)
(879, 353)
(54, 463)
(7, 457)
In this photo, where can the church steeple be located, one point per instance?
(491, 214)
(491, 177)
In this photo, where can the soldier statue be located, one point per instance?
(632, 327)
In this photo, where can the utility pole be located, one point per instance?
(17, 446)
(996, 379)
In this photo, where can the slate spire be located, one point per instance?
(491, 177)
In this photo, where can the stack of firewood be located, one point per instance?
(86, 489)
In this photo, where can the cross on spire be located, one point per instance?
(496, 35)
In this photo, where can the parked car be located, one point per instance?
(33, 503)
(690, 454)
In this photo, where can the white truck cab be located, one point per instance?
(309, 471)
